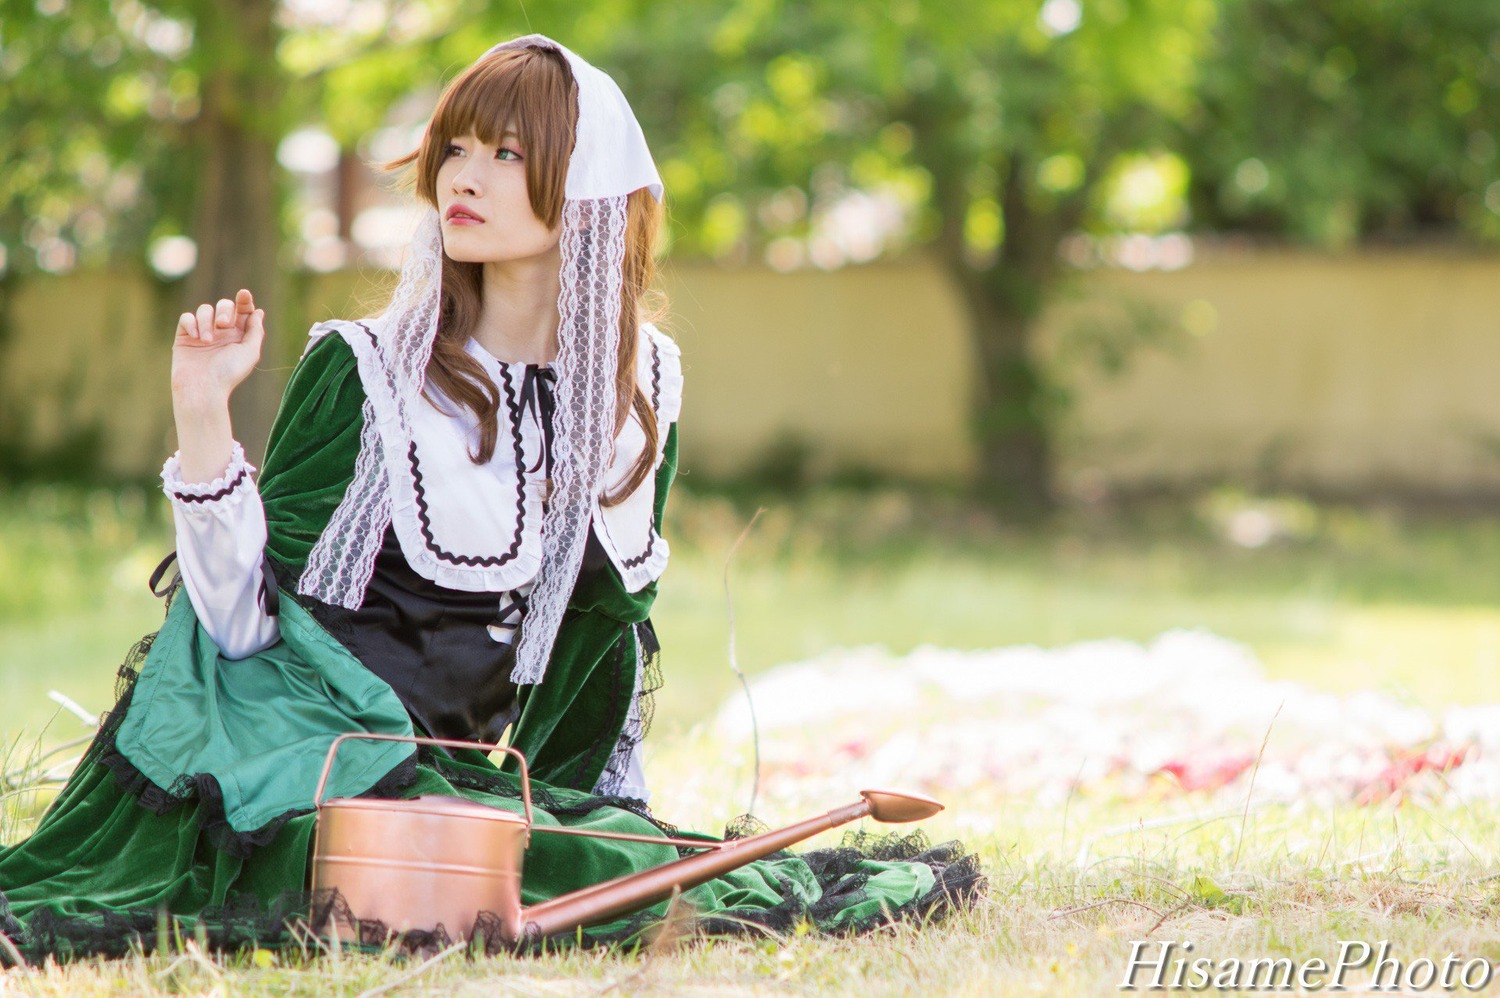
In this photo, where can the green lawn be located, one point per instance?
(1350, 598)
(1343, 599)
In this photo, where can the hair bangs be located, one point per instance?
(481, 103)
(529, 91)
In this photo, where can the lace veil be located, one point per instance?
(610, 160)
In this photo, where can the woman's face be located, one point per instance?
(484, 205)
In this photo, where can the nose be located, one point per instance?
(464, 183)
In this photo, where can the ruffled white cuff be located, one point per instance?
(230, 487)
(221, 539)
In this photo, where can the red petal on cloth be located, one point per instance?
(1206, 774)
(856, 748)
(1405, 766)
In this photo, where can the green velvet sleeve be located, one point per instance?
(312, 449)
(666, 474)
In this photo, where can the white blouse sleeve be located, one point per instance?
(221, 541)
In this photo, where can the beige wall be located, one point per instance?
(867, 366)
(1369, 371)
(85, 353)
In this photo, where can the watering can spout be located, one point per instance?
(623, 895)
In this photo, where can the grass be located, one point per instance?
(1340, 598)
(1302, 884)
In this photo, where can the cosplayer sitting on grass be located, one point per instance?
(456, 532)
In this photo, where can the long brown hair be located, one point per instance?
(532, 91)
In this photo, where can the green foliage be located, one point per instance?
(98, 103)
(102, 126)
(1327, 121)
(993, 131)
(1362, 116)
(1348, 120)
(937, 106)
(1210, 895)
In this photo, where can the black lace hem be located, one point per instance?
(301, 920)
(959, 882)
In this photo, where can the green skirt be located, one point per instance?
(130, 857)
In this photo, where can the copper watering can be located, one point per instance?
(441, 860)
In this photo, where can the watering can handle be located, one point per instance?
(417, 740)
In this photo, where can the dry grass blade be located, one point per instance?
(28, 772)
(194, 953)
(416, 971)
(1244, 817)
(675, 926)
(18, 963)
(1100, 904)
(73, 707)
(1163, 920)
(734, 663)
(1141, 825)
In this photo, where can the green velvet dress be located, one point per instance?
(191, 812)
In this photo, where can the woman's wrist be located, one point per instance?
(205, 439)
(198, 400)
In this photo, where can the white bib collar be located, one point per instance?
(478, 528)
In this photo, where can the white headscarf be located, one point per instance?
(609, 161)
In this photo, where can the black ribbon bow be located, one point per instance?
(538, 395)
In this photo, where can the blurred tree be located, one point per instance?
(127, 121)
(999, 127)
(1007, 127)
(236, 214)
(130, 122)
(96, 100)
(1350, 120)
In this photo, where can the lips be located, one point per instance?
(458, 213)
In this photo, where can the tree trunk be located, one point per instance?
(1004, 299)
(1009, 417)
(236, 221)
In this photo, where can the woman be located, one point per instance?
(462, 389)
(456, 532)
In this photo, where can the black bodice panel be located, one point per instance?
(433, 645)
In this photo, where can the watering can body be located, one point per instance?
(422, 863)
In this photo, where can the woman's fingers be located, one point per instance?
(211, 323)
(244, 308)
(255, 330)
(206, 323)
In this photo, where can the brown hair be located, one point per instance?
(532, 91)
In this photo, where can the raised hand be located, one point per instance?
(216, 348)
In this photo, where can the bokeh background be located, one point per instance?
(1025, 321)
